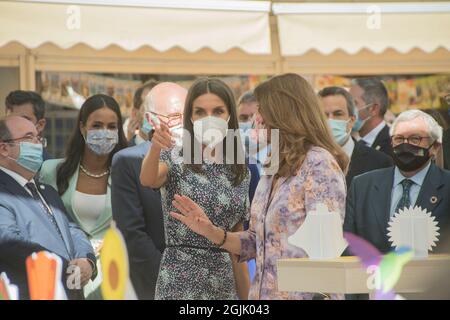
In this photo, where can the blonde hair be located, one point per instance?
(288, 103)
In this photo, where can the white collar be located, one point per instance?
(348, 147)
(372, 135)
(138, 139)
(20, 180)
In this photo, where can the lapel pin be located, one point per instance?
(42, 187)
(433, 199)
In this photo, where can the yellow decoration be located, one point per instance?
(114, 264)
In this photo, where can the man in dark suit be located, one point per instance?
(138, 213)
(32, 215)
(371, 100)
(31, 106)
(247, 106)
(339, 108)
(375, 196)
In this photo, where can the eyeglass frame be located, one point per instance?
(408, 139)
(174, 115)
(28, 138)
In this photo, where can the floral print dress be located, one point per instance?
(192, 267)
(319, 180)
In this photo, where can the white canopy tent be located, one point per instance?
(351, 27)
(223, 37)
(131, 24)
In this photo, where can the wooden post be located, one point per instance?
(27, 71)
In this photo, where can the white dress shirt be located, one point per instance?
(348, 147)
(369, 138)
(138, 139)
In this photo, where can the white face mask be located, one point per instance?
(210, 130)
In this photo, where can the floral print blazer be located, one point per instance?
(319, 180)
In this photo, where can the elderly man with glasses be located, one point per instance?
(32, 215)
(374, 197)
(31, 106)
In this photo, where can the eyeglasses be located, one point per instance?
(414, 140)
(173, 119)
(364, 106)
(29, 138)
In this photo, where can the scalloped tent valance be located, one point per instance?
(221, 25)
(351, 27)
(162, 25)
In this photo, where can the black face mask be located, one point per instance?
(408, 157)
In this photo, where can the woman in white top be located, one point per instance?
(82, 178)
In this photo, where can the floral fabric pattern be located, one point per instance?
(191, 266)
(319, 180)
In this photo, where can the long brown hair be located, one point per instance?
(219, 88)
(288, 103)
(75, 147)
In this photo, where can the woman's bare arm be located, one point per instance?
(153, 172)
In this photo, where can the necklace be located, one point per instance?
(93, 175)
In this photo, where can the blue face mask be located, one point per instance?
(146, 126)
(339, 130)
(245, 125)
(359, 123)
(30, 156)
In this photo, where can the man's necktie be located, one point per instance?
(363, 143)
(405, 201)
(32, 187)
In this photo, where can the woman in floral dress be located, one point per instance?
(192, 267)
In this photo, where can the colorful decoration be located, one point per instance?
(389, 266)
(115, 269)
(8, 291)
(44, 276)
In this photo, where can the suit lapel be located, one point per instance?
(357, 153)
(13, 186)
(382, 137)
(381, 199)
(57, 214)
(21, 194)
(430, 195)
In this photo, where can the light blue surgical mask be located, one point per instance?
(245, 125)
(103, 141)
(359, 123)
(339, 130)
(146, 126)
(30, 156)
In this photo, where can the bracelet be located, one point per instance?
(224, 239)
